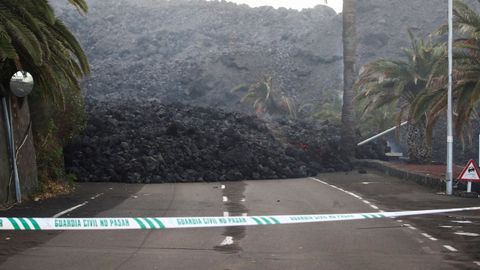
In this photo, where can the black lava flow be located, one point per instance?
(149, 142)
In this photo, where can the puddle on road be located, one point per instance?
(235, 206)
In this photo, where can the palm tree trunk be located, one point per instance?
(419, 150)
(349, 57)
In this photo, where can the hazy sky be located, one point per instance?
(296, 4)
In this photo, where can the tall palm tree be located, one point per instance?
(397, 83)
(349, 75)
(34, 40)
(466, 87)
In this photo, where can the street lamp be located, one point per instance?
(21, 84)
(449, 106)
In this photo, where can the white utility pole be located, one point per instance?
(449, 110)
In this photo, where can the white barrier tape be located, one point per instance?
(153, 223)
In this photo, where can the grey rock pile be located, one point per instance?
(151, 143)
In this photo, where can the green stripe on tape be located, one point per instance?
(140, 223)
(152, 226)
(159, 223)
(25, 224)
(266, 220)
(275, 220)
(35, 224)
(14, 223)
(148, 223)
(257, 221)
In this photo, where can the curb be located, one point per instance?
(419, 178)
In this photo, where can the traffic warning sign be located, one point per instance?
(470, 173)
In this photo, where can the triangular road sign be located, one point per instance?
(470, 173)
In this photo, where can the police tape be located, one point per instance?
(157, 223)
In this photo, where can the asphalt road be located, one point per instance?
(369, 244)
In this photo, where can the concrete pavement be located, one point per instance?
(370, 244)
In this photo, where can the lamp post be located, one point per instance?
(21, 84)
(449, 174)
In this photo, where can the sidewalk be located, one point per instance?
(437, 171)
(427, 175)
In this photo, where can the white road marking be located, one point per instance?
(349, 193)
(227, 241)
(371, 204)
(462, 221)
(429, 236)
(222, 186)
(368, 183)
(96, 196)
(452, 249)
(226, 214)
(243, 200)
(477, 263)
(451, 227)
(377, 208)
(320, 181)
(409, 226)
(82, 204)
(467, 234)
(69, 210)
(225, 199)
(354, 195)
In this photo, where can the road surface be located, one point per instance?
(370, 244)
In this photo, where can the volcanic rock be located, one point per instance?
(170, 143)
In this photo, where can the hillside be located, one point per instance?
(196, 52)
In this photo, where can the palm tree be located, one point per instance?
(266, 99)
(466, 88)
(328, 109)
(34, 40)
(349, 75)
(397, 84)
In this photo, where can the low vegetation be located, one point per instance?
(33, 39)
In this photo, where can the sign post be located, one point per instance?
(469, 187)
(470, 174)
